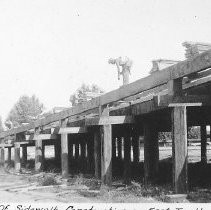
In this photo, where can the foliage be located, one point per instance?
(194, 132)
(85, 93)
(25, 110)
(48, 180)
(1, 125)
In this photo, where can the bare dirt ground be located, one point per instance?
(30, 187)
(26, 187)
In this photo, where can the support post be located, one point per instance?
(151, 151)
(180, 155)
(17, 157)
(127, 156)
(57, 150)
(9, 156)
(106, 154)
(203, 144)
(119, 147)
(136, 149)
(38, 155)
(64, 151)
(97, 153)
(24, 155)
(2, 160)
(83, 153)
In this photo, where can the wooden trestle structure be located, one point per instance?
(167, 100)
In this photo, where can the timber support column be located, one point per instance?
(203, 144)
(97, 153)
(136, 146)
(151, 151)
(9, 156)
(2, 160)
(64, 150)
(57, 149)
(179, 150)
(106, 151)
(127, 155)
(83, 154)
(17, 157)
(24, 155)
(38, 155)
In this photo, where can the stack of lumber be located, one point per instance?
(160, 64)
(195, 48)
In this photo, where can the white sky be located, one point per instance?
(49, 47)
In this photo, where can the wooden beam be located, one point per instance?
(176, 71)
(188, 100)
(72, 130)
(179, 150)
(34, 137)
(109, 120)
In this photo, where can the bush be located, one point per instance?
(48, 180)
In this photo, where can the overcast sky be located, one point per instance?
(49, 47)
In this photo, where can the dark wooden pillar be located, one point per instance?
(127, 155)
(106, 154)
(9, 156)
(83, 153)
(57, 150)
(151, 151)
(17, 157)
(203, 144)
(119, 147)
(90, 152)
(2, 159)
(97, 153)
(136, 148)
(180, 155)
(24, 155)
(64, 151)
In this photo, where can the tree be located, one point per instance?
(25, 110)
(85, 93)
(1, 125)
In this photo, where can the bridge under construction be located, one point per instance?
(168, 100)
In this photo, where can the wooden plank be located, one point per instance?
(181, 69)
(64, 151)
(34, 137)
(72, 130)
(179, 150)
(109, 120)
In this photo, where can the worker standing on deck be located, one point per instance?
(126, 64)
